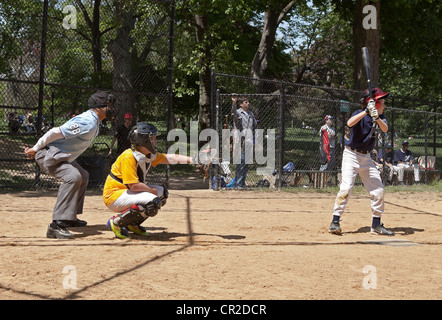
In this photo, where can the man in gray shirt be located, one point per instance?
(245, 122)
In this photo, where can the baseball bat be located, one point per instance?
(366, 61)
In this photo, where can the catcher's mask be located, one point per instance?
(377, 93)
(102, 99)
(140, 136)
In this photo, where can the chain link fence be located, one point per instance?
(296, 113)
(56, 54)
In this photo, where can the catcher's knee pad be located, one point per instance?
(151, 208)
(136, 214)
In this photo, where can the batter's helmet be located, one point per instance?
(140, 136)
(377, 93)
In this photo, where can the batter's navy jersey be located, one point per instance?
(79, 133)
(362, 136)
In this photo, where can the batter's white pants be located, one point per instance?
(408, 167)
(129, 198)
(354, 163)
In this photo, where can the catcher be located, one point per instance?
(126, 192)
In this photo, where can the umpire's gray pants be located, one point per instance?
(70, 197)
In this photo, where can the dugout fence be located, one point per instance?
(57, 54)
(296, 112)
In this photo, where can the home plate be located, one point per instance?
(394, 243)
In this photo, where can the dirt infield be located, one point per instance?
(243, 245)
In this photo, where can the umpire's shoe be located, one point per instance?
(75, 223)
(57, 230)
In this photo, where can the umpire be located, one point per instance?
(56, 151)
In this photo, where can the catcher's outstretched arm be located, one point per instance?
(171, 158)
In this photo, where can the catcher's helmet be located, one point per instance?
(140, 136)
(377, 93)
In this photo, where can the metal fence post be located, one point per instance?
(281, 136)
(219, 151)
(42, 67)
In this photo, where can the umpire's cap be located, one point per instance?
(100, 99)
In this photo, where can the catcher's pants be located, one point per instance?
(354, 163)
(70, 197)
(408, 167)
(129, 198)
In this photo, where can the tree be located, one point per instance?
(273, 16)
(320, 45)
(213, 25)
(366, 33)
(412, 48)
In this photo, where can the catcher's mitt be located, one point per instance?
(203, 161)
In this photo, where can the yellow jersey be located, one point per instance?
(126, 168)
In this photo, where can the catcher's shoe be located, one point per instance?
(335, 228)
(120, 232)
(58, 231)
(137, 229)
(380, 229)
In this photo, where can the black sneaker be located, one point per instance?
(335, 228)
(58, 231)
(380, 229)
(74, 223)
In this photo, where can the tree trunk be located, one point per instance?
(202, 28)
(272, 18)
(369, 38)
(261, 59)
(122, 62)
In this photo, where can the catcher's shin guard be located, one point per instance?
(136, 214)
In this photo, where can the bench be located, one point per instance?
(299, 178)
(427, 172)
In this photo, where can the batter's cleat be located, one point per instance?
(120, 232)
(138, 230)
(58, 231)
(335, 228)
(380, 229)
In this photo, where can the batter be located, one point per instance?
(356, 160)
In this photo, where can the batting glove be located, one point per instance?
(374, 114)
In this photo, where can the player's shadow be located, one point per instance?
(90, 230)
(155, 233)
(170, 236)
(397, 230)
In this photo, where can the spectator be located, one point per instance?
(122, 135)
(327, 144)
(385, 158)
(404, 159)
(345, 138)
(245, 122)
